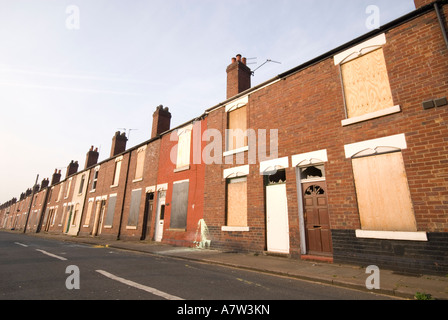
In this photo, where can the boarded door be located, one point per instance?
(135, 207)
(110, 211)
(317, 223)
(277, 218)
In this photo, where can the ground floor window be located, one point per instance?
(383, 194)
(237, 202)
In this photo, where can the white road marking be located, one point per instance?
(139, 286)
(52, 255)
(21, 244)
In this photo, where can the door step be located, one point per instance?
(276, 254)
(328, 259)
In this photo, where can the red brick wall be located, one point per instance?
(421, 3)
(307, 109)
(149, 179)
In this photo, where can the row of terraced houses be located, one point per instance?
(343, 158)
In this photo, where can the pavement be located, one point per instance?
(348, 276)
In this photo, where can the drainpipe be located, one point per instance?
(42, 212)
(31, 205)
(441, 22)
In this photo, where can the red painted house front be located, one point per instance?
(179, 194)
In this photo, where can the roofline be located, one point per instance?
(388, 26)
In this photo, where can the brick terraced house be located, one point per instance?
(342, 159)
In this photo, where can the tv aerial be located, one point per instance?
(128, 131)
(267, 61)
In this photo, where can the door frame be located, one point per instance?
(147, 215)
(161, 198)
(99, 216)
(300, 201)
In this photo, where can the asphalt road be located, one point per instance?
(42, 269)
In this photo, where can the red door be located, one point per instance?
(317, 222)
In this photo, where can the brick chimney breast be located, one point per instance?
(238, 76)
(161, 121)
(118, 143)
(91, 157)
(72, 168)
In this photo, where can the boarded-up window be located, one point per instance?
(179, 205)
(110, 211)
(237, 202)
(140, 163)
(117, 171)
(366, 84)
(89, 213)
(237, 127)
(183, 148)
(382, 189)
(135, 207)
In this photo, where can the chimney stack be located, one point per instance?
(161, 121)
(72, 169)
(118, 143)
(56, 178)
(422, 3)
(44, 184)
(238, 76)
(91, 157)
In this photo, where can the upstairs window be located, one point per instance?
(140, 163)
(236, 129)
(365, 81)
(366, 84)
(117, 171)
(183, 147)
(95, 179)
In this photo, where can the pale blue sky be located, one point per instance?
(63, 90)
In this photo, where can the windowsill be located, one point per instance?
(177, 229)
(131, 228)
(137, 180)
(107, 227)
(185, 168)
(392, 235)
(372, 115)
(234, 151)
(114, 186)
(228, 228)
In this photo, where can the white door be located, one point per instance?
(277, 219)
(160, 216)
